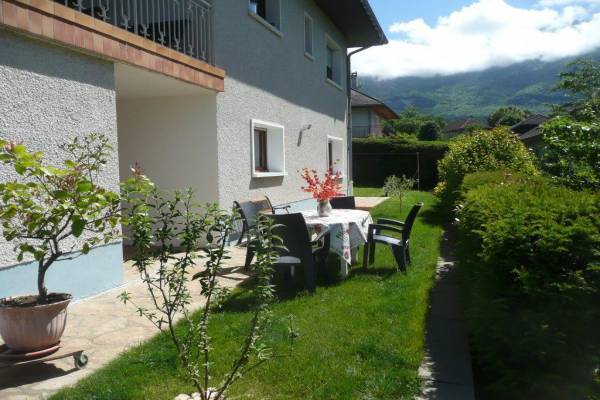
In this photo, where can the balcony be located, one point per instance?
(181, 25)
(371, 130)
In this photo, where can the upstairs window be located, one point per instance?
(333, 63)
(308, 36)
(268, 10)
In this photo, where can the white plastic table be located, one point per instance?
(348, 229)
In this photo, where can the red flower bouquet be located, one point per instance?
(322, 190)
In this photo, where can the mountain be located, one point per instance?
(527, 85)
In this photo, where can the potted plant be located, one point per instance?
(52, 214)
(322, 190)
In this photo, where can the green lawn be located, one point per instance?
(368, 191)
(360, 338)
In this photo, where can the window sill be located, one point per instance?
(256, 174)
(334, 84)
(309, 56)
(266, 24)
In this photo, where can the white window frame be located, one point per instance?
(275, 149)
(338, 143)
(277, 30)
(337, 62)
(310, 55)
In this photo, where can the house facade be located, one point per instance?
(369, 115)
(230, 98)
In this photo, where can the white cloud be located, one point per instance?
(554, 3)
(485, 34)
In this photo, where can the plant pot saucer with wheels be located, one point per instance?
(26, 326)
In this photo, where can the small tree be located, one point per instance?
(47, 206)
(398, 187)
(430, 131)
(581, 81)
(158, 223)
(506, 116)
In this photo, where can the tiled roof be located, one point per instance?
(360, 99)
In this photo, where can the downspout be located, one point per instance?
(349, 171)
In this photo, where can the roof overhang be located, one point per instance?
(356, 20)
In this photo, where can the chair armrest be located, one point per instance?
(379, 227)
(322, 235)
(387, 221)
(324, 248)
(286, 208)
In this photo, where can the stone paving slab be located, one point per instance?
(368, 203)
(104, 327)
(446, 369)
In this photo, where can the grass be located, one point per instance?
(360, 338)
(368, 192)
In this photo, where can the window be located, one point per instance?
(268, 12)
(308, 36)
(333, 63)
(268, 149)
(260, 149)
(335, 154)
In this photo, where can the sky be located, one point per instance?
(444, 37)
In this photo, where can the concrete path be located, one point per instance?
(447, 366)
(104, 327)
(368, 203)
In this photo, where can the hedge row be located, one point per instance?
(374, 159)
(529, 252)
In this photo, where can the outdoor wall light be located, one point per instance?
(306, 127)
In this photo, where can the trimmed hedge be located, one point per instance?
(529, 252)
(374, 159)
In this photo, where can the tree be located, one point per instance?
(430, 131)
(47, 207)
(507, 116)
(159, 219)
(572, 138)
(572, 152)
(581, 81)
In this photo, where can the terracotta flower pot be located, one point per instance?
(32, 328)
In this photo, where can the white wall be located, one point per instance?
(270, 79)
(48, 96)
(174, 139)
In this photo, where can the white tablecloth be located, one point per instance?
(348, 229)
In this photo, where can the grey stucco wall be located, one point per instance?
(270, 79)
(48, 95)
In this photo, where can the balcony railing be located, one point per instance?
(372, 130)
(182, 25)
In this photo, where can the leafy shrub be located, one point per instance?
(572, 152)
(478, 179)
(529, 252)
(374, 159)
(496, 149)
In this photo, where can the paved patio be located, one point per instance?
(368, 203)
(104, 327)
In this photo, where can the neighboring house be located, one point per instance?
(369, 115)
(529, 131)
(456, 128)
(229, 97)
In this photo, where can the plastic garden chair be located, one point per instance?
(399, 246)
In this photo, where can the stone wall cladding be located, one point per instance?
(48, 95)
